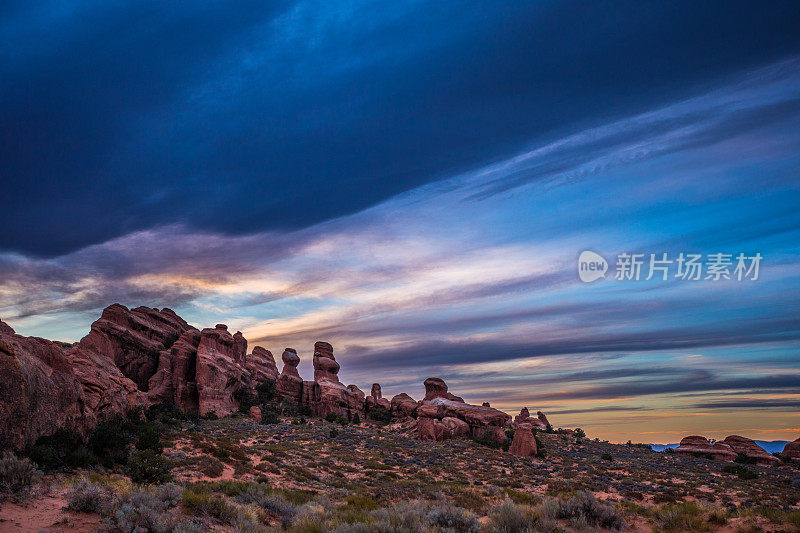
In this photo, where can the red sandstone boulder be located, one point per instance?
(325, 365)
(792, 450)
(134, 338)
(747, 447)
(456, 427)
(524, 444)
(524, 417)
(255, 414)
(403, 406)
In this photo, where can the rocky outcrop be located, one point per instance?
(290, 384)
(176, 378)
(403, 406)
(326, 394)
(220, 373)
(751, 450)
(698, 445)
(39, 391)
(524, 417)
(792, 450)
(483, 422)
(376, 399)
(437, 388)
(133, 339)
(523, 444)
(261, 365)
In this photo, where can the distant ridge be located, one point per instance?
(772, 446)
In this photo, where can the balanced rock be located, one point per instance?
(290, 384)
(524, 444)
(376, 399)
(751, 450)
(326, 394)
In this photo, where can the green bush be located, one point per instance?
(149, 438)
(145, 466)
(270, 415)
(356, 419)
(584, 510)
(380, 414)
(88, 497)
(579, 433)
(62, 449)
(742, 471)
(146, 510)
(266, 391)
(686, 516)
(16, 474)
(606, 457)
(336, 418)
(199, 501)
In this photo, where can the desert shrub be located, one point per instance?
(685, 516)
(210, 466)
(165, 412)
(742, 458)
(579, 433)
(794, 518)
(742, 471)
(199, 501)
(274, 504)
(145, 466)
(88, 497)
(109, 440)
(211, 415)
(246, 399)
(584, 509)
(63, 449)
(380, 414)
(16, 474)
(149, 438)
(266, 391)
(606, 457)
(510, 517)
(146, 509)
(718, 516)
(333, 433)
(356, 419)
(270, 415)
(336, 418)
(452, 519)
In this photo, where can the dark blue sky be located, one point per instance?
(414, 183)
(250, 116)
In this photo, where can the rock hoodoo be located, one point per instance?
(523, 444)
(144, 356)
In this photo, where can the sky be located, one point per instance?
(414, 183)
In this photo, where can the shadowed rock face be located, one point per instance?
(748, 447)
(792, 450)
(134, 339)
(261, 365)
(376, 399)
(220, 371)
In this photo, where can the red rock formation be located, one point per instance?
(542, 419)
(483, 422)
(134, 338)
(697, 445)
(376, 399)
(403, 406)
(255, 414)
(326, 394)
(261, 365)
(39, 391)
(176, 379)
(792, 450)
(220, 374)
(290, 384)
(437, 388)
(523, 445)
(524, 417)
(747, 447)
(486, 404)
